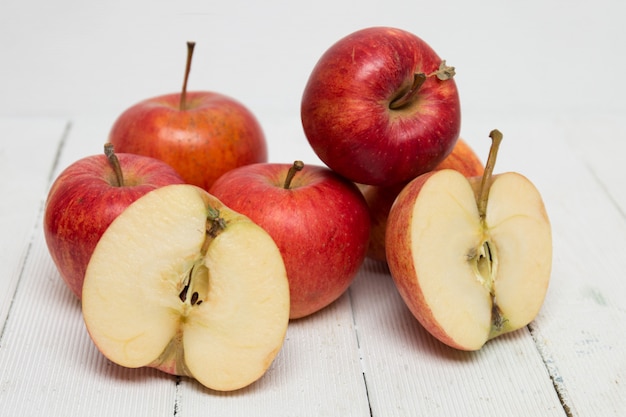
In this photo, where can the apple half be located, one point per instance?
(471, 258)
(181, 283)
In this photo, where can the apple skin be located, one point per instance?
(212, 135)
(380, 199)
(346, 114)
(83, 201)
(463, 159)
(403, 265)
(321, 226)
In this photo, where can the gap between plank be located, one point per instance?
(553, 372)
(358, 344)
(177, 395)
(55, 163)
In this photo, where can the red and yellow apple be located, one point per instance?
(86, 197)
(181, 283)
(318, 219)
(471, 258)
(381, 107)
(201, 134)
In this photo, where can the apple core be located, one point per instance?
(196, 280)
(484, 259)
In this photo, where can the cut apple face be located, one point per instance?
(181, 283)
(469, 277)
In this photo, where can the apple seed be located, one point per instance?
(198, 276)
(183, 293)
(194, 298)
(196, 280)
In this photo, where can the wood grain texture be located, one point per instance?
(365, 354)
(28, 154)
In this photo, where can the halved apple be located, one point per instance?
(470, 257)
(182, 283)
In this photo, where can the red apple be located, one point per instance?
(380, 198)
(463, 159)
(318, 219)
(380, 107)
(86, 197)
(201, 134)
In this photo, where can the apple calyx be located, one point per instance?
(296, 167)
(406, 97)
(196, 279)
(183, 94)
(484, 258)
(109, 152)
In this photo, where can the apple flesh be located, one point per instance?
(380, 107)
(469, 267)
(201, 134)
(86, 197)
(380, 198)
(318, 219)
(181, 283)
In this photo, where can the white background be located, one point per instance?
(71, 58)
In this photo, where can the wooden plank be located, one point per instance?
(582, 329)
(409, 372)
(27, 153)
(598, 143)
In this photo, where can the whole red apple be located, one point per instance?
(201, 134)
(380, 198)
(318, 219)
(86, 197)
(380, 107)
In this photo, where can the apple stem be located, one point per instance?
(297, 166)
(183, 94)
(444, 72)
(214, 226)
(496, 138)
(409, 95)
(115, 163)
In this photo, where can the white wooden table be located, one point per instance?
(365, 355)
